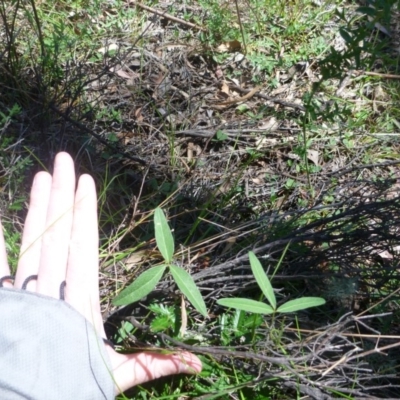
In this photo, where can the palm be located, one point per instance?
(60, 243)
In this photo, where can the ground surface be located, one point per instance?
(272, 127)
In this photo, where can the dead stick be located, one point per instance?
(370, 73)
(168, 16)
(268, 98)
(247, 96)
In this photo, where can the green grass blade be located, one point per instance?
(253, 306)
(188, 287)
(164, 239)
(301, 304)
(141, 287)
(262, 279)
(281, 259)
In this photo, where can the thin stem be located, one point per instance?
(241, 27)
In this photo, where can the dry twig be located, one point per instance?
(168, 16)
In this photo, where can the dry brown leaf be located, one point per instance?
(258, 181)
(313, 155)
(182, 330)
(385, 255)
(225, 88)
(123, 74)
(219, 73)
(379, 94)
(229, 47)
(190, 150)
(271, 125)
(157, 78)
(279, 90)
(125, 137)
(134, 259)
(266, 142)
(279, 201)
(109, 48)
(138, 114)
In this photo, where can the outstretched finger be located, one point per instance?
(4, 269)
(29, 259)
(56, 237)
(82, 290)
(134, 369)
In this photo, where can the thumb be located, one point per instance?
(134, 369)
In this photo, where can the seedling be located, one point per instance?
(148, 280)
(258, 307)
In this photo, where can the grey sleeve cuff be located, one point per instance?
(48, 351)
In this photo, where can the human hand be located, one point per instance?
(60, 243)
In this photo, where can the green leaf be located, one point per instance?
(221, 136)
(162, 323)
(164, 239)
(253, 306)
(141, 287)
(370, 11)
(262, 279)
(188, 287)
(345, 35)
(301, 304)
(161, 309)
(242, 107)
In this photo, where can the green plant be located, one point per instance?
(347, 129)
(219, 23)
(147, 281)
(220, 136)
(165, 317)
(12, 240)
(238, 326)
(12, 176)
(264, 283)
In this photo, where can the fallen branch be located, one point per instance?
(247, 96)
(268, 98)
(168, 16)
(378, 74)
